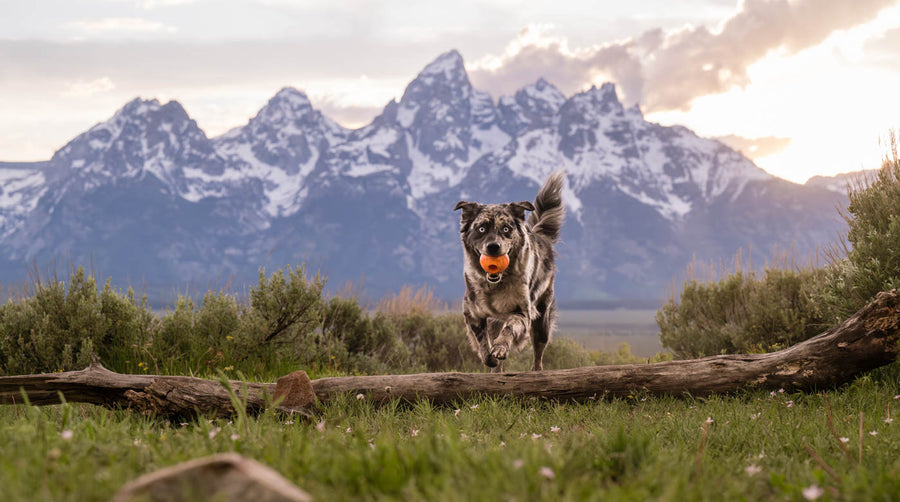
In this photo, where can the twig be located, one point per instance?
(837, 437)
(825, 467)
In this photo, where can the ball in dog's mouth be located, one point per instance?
(494, 266)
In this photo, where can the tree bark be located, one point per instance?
(866, 340)
(152, 394)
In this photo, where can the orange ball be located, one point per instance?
(494, 264)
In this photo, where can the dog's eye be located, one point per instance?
(506, 230)
(481, 230)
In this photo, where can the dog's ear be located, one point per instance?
(469, 210)
(518, 208)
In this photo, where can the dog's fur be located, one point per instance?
(519, 301)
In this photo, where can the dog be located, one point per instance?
(516, 301)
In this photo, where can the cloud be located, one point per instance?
(83, 88)
(884, 49)
(535, 54)
(152, 4)
(352, 116)
(121, 24)
(668, 70)
(756, 147)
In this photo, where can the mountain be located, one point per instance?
(149, 199)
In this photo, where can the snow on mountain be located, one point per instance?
(533, 106)
(21, 186)
(281, 146)
(144, 138)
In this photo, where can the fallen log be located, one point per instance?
(153, 394)
(865, 341)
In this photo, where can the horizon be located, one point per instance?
(761, 77)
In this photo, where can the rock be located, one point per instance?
(224, 477)
(296, 392)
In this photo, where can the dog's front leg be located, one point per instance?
(514, 329)
(477, 330)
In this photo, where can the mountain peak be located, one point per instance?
(450, 62)
(292, 96)
(139, 106)
(592, 101)
(285, 106)
(606, 91)
(544, 91)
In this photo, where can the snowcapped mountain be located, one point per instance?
(147, 197)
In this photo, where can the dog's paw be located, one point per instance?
(491, 361)
(500, 351)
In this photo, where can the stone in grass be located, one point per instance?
(295, 393)
(224, 477)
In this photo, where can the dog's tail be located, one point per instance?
(548, 214)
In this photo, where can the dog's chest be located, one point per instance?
(505, 299)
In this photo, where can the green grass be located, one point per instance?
(641, 448)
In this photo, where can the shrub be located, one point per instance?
(367, 344)
(744, 312)
(435, 342)
(63, 324)
(871, 261)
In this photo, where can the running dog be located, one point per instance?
(509, 271)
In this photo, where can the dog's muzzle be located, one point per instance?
(494, 278)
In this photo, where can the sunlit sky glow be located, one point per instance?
(804, 87)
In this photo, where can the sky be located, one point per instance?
(803, 87)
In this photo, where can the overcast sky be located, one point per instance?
(803, 86)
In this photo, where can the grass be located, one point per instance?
(638, 448)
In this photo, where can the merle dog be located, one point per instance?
(515, 301)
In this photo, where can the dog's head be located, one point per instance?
(493, 229)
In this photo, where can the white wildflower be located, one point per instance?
(813, 492)
(547, 472)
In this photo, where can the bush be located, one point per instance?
(435, 342)
(366, 344)
(744, 312)
(62, 325)
(872, 259)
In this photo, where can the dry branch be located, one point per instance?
(865, 341)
